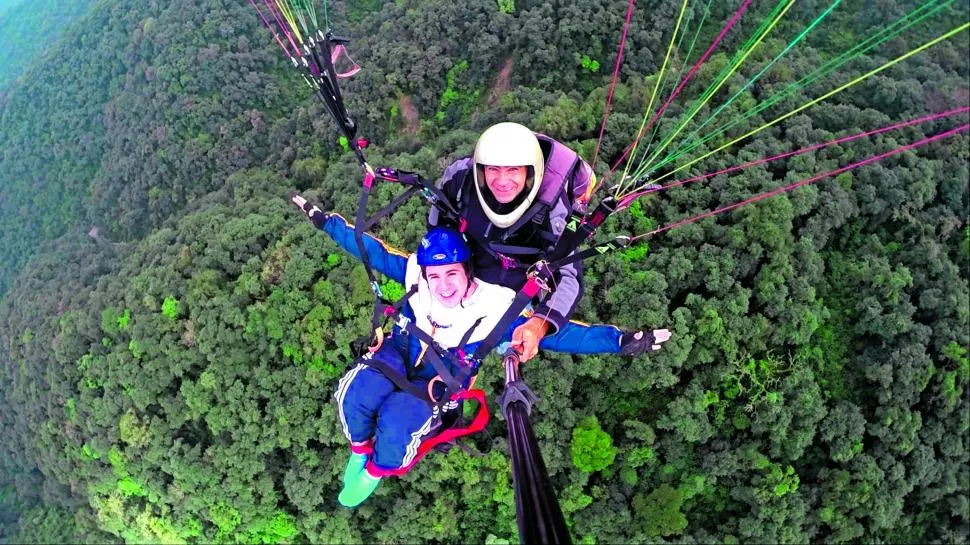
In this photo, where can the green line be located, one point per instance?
(311, 14)
(709, 95)
(653, 95)
(839, 89)
(299, 13)
(690, 50)
(750, 82)
(874, 41)
(695, 105)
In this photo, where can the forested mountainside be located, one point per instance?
(26, 28)
(172, 329)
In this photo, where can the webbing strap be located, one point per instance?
(398, 379)
(359, 220)
(580, 229)
(522, 298)
(436, 354)
(389, 208)
(328, 79)
(600, 249)
(431, 192)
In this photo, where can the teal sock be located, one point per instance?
(358, 489)
(354, 466)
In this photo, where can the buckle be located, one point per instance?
(507, 262)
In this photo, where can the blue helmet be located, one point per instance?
(443, 246)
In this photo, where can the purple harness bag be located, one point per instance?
(563, 165)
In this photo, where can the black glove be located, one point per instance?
(634, 343)
(316, 216)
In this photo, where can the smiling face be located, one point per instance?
(448, 283)
(505, 182)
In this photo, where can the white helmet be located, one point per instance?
(508, 145)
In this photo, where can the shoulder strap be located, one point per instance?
(562, 165)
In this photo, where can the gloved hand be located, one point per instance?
(633, 343)
(316, 216)
(526, 337)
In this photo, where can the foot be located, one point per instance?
(354, 466)
(634, 343)
(358, 489)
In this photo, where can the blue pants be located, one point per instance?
(373, 407)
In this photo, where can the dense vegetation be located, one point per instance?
(28, 27)
(166, 376)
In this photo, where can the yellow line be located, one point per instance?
(660, 77)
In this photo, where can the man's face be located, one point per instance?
(447, 282)
(505, 182)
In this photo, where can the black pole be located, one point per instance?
(536, 508)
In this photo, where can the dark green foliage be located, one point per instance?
(168, 377)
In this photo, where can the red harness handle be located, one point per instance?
(477, 425)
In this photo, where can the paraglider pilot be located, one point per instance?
(517, 193)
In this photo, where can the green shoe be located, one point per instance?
(354, 466)
(358, 489)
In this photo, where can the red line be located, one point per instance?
(270, 27)
(698, 65)
(627, 199)
(616, 72)
(284, 27)
(807, 181)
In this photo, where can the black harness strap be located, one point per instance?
(468, 334)
(389, 208)
(579, 229)
(328, 80)
(513, 250)
(359, 220)
(599, 249)
(398, 379)
(431, 192)
(522, 298)
(435, 353)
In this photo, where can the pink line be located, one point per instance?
(616, 72)
(633, 196)
(284, 27)
(693, 70)
(696, 66)
(811, 180)
(270, 27)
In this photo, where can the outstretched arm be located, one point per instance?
(385, 259)
(579, 338)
